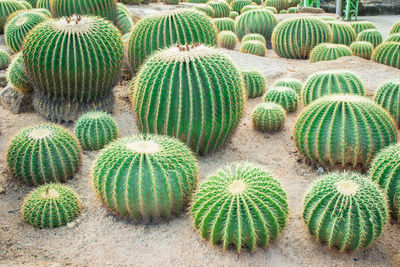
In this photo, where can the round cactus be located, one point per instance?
(204, 90)
(327, 52)
(259, 21)
(186, 26)
(18, 27)
(249, 207)
(249, 7)
(373, 36)
(43, 4)
(123, 19)
(6, 8)
(284, 96)
(51, 206)
(272, 9)
(237, 5)
(101, 8)
(393, 38)
(221, 8)
(233, 14)
(145, 177)
(206, 9)
(227, 39)
(268, 117)
(198, 1)
(42, 11)
(283, 11)
(360, 26)
(362, 49)
(295, 38)
(255, 83)
(342, 33)
(395, 28)
(278, 4)
(388, 96)
(4, 59)
(293, 10)
(254, 37)
(171, 2)
(253, 47)
(224, 24)
(343, 131)
(43, 153)
(295, 84)
(331, 82)
(345, 210)
(16, 76)
(95, 129)
(387, 53)
(68, 82)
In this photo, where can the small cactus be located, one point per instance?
(221, 8)
(224, 24)
(145, 177)
(123, 19)
(395, 28)
(341, 32)
(250, 7)
(101, 8)
(278, 4)
(259, 21)
(254, 37)
(393, 38)
(362, 49)
(328, 52)
(283, 11)
(360, 26)
(198, 1)
(4, 59)
(51, 206)
(268, 117)
(8, 7)
(227, 39)
(373, 36)
(295, 84)
(43, 153)
(250, 207)
(16, 76)
(387, 53)
(206, 9)
(284, 96)
(255, 83)
(272, 9)
(293, 10)
(388, 97)
(95, 129)
(253, 47)
(233, 14)
(237, 5)
(345, 210)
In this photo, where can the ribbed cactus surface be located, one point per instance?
(283, 11)
(360, 26)
(4, 59)
(343, 131)
(206, 9)
(254, 37)
(186, 26)
(253, 47)
(237, 5)
(373, 36)
(123, 19)
(278, 4)
(6, 8)
(199, 98)
(295, 84)
(295, 38)
(43, 153)
(342, 33)
(16, 76)
(250, 7)
(345, 210)
(259, 21)
(224, 24)
(284, 96)
(395, 28)
(395, 37)
(227, 39)
(43, 4)
(268, 117)
(362, 49)
(233, 14)
(241, 205)
(293, 10)
(45, 12)
(51, 206)
(388, 96)
(221, 8)
(101, 8)
(145, 177)
(327, 52)
(387, 53)
(25, 4)
(255, 83)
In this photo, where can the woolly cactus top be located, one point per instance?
(182, 53)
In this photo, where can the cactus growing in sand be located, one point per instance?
(327, 52)
(123, 19)
(254, 37)
(255, 83)
(373, 36)
(284, 96)
(362, 49)
(295, 84)
(395, 28)
(224, 24)
(233, 14)
(268, 117)
(341, 32)
(360, 26)
(393, 38)
(388, 97)
(237, 5)
(206, 9)
(227, 39)
(253, 47)
(387, 53)
(278, 4)
(259, 21)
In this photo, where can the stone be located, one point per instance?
(3, 78)
(15, 101)
(303, 9)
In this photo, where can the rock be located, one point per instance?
(303, 9)
(320, 171)
(15, 101)
(3, 78)
(71, 225)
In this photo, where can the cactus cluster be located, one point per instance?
(395, 28)
(224, 24)
(342, 33)
(186, 26)
(327, 52)
(268, 117)
(16, 76)
(145, 177)
(343, 131)
(362, 49)
(255, 83)
(360, 26)
(295, 84)
(227, 39)
(272, 9)
(373, 36)
(393, 38)
(284, 96)
(387, 53)
(295, 38)
(51, 206)
(388, 96)
(206, 9)
(123, 19)
(253, 47)
(4, 59)
(277, 4)
(259, 21)
(200, 88)
(43, 153)
(237, 5)
(254, 37)
(8, 7)
(345, 210)
(102, 8)
(221, 8)
(241, 205)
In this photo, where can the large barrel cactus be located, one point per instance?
(255, 83)
(362, 49)
(241, 205)
(227, 39)
(268, 117)
(373, 36)
(284, 96)
(221, 8)
(16, 76)
(193, 93)
(295, 38)
(360, 26)
(6, 8)
(237, 5)
(387, 53)
(260, 21)
(343, 131)
(327, 52)
(101, 8)
(345, 210)
(186, 26)
(80, 63)
(123, 19)
(145, 177)
(388, 96)
(342, 33)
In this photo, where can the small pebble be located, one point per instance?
(320, 171)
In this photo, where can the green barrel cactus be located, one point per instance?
(224, 24)
(278, 4)
(345, 210)
(123, 19)
(284, 96)
(293, 10)
(206, 9)
(387, 53)
(395, 28)
(255, 83)
(373, 36)
(43, 153)
(233, 14)
(42, 11)
(221, 8)
(186, 26)
(171, 2)
(343, 131)
(249, 7)
(69, 82)
(329, 83)
(101, 8)
(16, 76)
(259, 21)
(295, 38)
(385, 170)
(95, 129)
(6, 8)
(341, 32)
(328, 52)
(241, 205)
(295, 84)
(283, 11)
(362, 49)
(254, 37)
(198, 1)
(360, 26)
(51, 206)
(237, 5)
(393, 38)
(200, 88)
(227, 39)
(253, 47)
(388, 97)
(43, 4)
(145, 177)
(4, 59)
(18, 27)
(268, 117)
(272, 9)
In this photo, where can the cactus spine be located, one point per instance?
(373, 36)
(327, 52)
(101, 8)
(227, 39)
(284, 96)
(342, 33)
(362, 49)
(16, 76)
(259, 21)
(268, 117)
(224, 24)
(255, 83)
(253, 47)
(387, 53)
(4, 59)
(8, 7)
(388, 97)
(292, 83)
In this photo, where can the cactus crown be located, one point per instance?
(16, 75)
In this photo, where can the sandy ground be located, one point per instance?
(101, 238)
